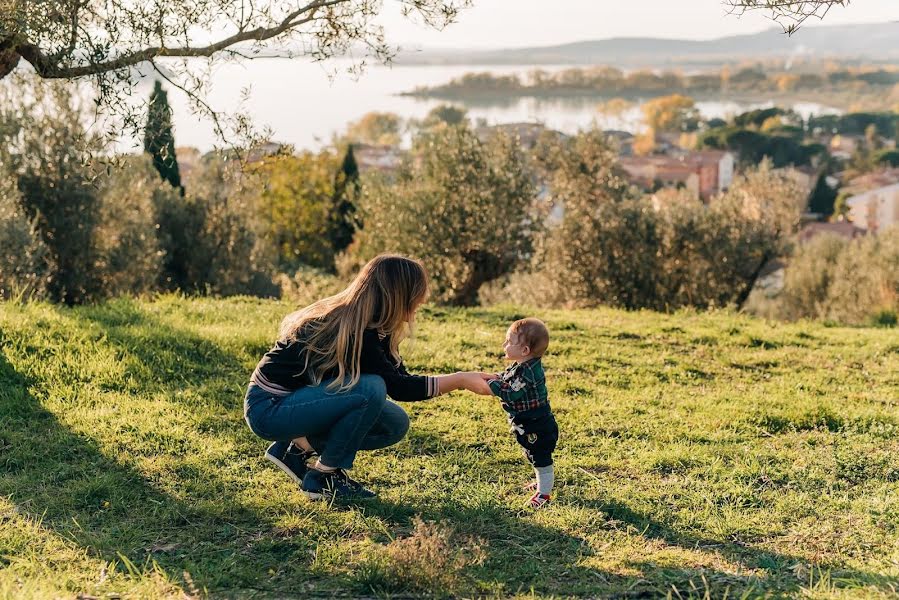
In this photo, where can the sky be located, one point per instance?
(523, 23)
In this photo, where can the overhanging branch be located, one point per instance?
(50, 69)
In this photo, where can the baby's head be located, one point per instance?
(526, 339)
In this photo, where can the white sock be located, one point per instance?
(545, 479)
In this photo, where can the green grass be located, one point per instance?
(701, 455)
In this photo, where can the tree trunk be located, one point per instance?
(485, 267)
(747, 289)
(9, 58)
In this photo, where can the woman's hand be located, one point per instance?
(476, 382)
(489, 376)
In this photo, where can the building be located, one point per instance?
(624, 140)
(841, 228)
(188, 159)
(875, 210)
(704, 173)
(377, 157)
(874, 199)
(526, 133)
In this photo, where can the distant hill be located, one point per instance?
(872, 42)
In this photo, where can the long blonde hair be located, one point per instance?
(384, 296)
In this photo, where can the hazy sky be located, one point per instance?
(517, 23)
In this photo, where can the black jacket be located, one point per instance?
(281, 370)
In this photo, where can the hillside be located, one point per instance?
(702, 453)
(872, 42)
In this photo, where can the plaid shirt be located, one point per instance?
(521, 387)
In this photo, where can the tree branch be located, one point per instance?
(47, 68)
(790, 14)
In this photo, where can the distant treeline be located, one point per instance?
(604, 80)
(787, 139)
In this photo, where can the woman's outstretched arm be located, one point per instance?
(468, 380)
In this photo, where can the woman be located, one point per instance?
(322, 389)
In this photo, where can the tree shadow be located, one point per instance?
(523, 552)
(96, 497)
(526, 554)
(783, 573)
(160, 356)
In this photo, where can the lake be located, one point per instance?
(305, 103)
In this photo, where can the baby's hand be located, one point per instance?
(475, 382)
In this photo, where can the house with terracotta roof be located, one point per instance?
(704, 173)
(843, 229)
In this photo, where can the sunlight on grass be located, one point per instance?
(701, 455)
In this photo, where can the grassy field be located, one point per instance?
(702, 455)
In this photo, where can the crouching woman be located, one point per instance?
(322, 389)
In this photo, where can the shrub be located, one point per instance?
(305, 200)
(809, 276)
(308, 285)
(866, 279)
(851, 282)
(181, 222)
(661, 253)
(48, 150)
(24, 258)
(711, 255)
(228, 256)
(130, 258)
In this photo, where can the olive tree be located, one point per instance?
(463, 205)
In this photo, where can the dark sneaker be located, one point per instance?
(289, 459)
(360, 490)
(318, 485)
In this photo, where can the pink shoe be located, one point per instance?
(530, 487)
(538, 500)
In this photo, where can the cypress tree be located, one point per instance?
(822, 198)
(346, 188)
(159, 141)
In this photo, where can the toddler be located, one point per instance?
(522, 390)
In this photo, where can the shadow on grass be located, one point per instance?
(783, 573)
(96, 497)
(526, 554)
(523, 555)
(160, 356)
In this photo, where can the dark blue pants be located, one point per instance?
(337, 424)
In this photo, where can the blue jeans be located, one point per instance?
(337, 424)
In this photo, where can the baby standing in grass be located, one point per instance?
(522, 390)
